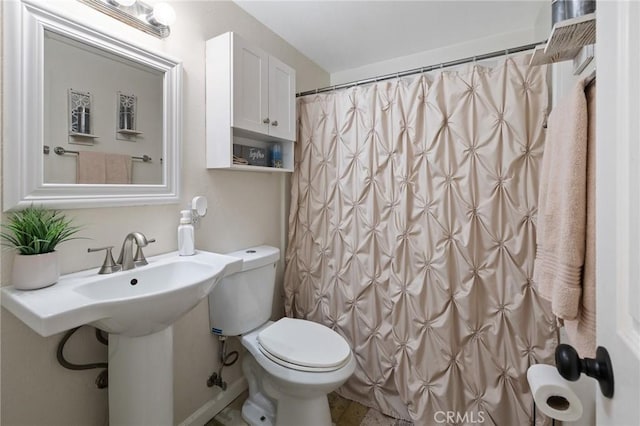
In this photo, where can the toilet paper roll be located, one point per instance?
(552, 393)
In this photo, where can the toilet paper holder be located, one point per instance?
(570, 366)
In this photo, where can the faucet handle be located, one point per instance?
(139, 259)
(109, 265)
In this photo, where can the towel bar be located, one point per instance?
(61, 151)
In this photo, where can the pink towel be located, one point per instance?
(582, 330)
(118, 169)
(563, 269)
(91, 168)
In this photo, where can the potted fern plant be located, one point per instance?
(35, 232)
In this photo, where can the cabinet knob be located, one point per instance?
(266, 120)
(275, 123)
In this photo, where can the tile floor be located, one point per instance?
(343, 413)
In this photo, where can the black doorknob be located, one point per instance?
(570, 366)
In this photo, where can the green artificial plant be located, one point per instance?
(36, 230)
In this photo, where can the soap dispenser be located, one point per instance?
(186, 237)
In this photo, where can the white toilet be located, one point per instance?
(294, 363)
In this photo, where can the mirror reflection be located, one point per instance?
(102, 116)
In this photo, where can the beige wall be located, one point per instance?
(245, 209)
(537, 30)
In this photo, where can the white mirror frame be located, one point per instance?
(24, 25)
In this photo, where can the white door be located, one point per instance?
(618, 206)
(282, 100)
(250, 87)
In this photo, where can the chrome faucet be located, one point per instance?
(126, 258)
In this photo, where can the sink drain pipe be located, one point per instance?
(226, 360)
(102, 381)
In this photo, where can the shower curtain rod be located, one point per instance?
(423, 69)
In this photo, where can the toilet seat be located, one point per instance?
(304, 345)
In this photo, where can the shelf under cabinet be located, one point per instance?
(220, 154)
(249, 168)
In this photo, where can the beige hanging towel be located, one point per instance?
(565, 200)
(118, 169)
(91, 168)
(582, 330)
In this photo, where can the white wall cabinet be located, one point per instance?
(250, 100)
(282, 99)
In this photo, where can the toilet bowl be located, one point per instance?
(299, 387)
(291, 364)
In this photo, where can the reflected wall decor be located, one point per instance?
(126, 114)
(79, 116)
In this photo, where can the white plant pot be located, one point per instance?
(31, 272)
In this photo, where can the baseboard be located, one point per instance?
(208, 411)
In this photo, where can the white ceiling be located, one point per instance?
(341, 35)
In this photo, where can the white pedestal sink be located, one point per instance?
(137, 308)
(141, 379)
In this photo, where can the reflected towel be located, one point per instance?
(118, 169)
(91, 168)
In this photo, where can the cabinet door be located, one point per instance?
(282, 100)
(250, 87)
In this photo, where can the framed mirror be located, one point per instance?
(89, 120)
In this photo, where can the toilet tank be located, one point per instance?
(242, 301)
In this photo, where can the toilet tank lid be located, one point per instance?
(256, 257)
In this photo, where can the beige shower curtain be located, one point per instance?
(412, 234)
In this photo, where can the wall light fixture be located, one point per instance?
(154, 20)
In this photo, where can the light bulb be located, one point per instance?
(125, 3)
(163, 14)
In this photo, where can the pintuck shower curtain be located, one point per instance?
(412, 234)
